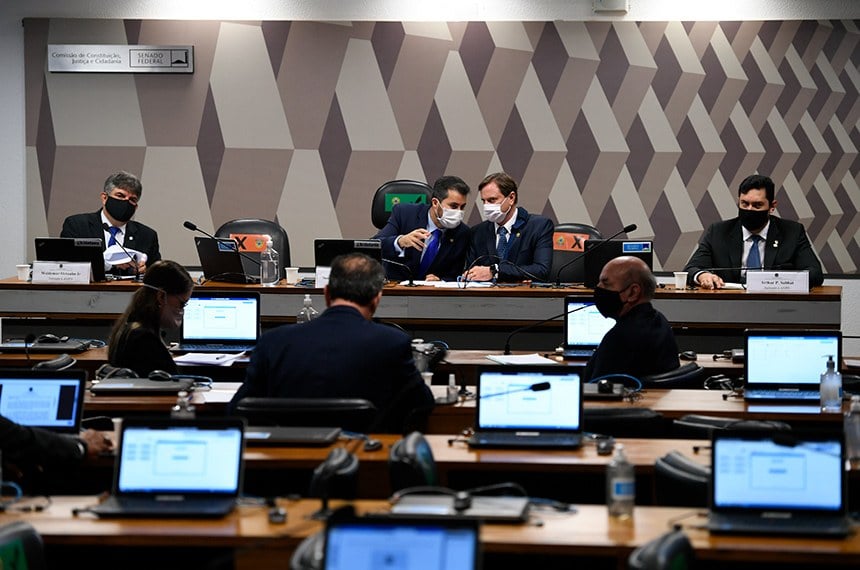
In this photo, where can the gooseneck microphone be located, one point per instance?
(409, 269)
(536, 387)
(625, 229)
(538, 323)
(467, 267)
(133, 258)
(194, 228)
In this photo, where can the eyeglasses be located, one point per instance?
(182, 304)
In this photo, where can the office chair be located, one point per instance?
(308, 555)
(397, 192)
(625, 422)
(568, 243)
(697, 426)
(352, 414)
(688, 375)
(670, 551)
(411, 463)
(246, 230)
(61, 362)
(680, 482)
(21, 547)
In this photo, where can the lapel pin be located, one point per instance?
(776, 243)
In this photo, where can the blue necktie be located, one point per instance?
(754, 258)
(502, 246)
(430, 252)
(113, 231)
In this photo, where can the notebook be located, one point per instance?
(73, 249)
(325, 250)
(176, 468)
(584, 328)
(291, 435)
(787, 364)
(221, 261)
(778, 483)
(48, 399)
(220, 321)
(401, 543)
(528, 406)
(599, 251)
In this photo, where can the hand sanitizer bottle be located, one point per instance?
(307, 312)
(831, 388)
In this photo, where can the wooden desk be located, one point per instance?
(588, 534)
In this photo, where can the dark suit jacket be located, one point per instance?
(405, 218)
(530, 248)
(137, 236)
(29, 447)
(787, 248)
(339, 354)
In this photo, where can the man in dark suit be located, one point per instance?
(754, 239)
(343, 353)
(113, 223)
(428, 238)
(511, 245)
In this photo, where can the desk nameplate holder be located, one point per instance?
(61, 272)
(321, 276)
(778, 281)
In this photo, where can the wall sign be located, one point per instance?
(87, 58)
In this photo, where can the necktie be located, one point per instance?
(754, 258)
(113, 231)
(430, 252)
(502, 246)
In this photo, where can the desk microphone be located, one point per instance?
(485, 257)
(625, 229)
(133, 258)
(532, 325)
(194, 228)
(399, 264)
(536, 387)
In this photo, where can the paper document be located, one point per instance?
(458, 284)
(209, 359)
(114, 255)
(728, 285)
(852, 362)
(521, 359)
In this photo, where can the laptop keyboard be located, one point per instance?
(208, 347)
(783, 395)
(578, 353)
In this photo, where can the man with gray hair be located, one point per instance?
(343, 353)
(641, 343)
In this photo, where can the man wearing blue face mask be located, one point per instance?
(113, 224)
(430, 239)
(641, 343)
(755, 239)
(511, 244)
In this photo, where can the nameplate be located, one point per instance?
(64, 272)
(322, 274)
(121, 58)
(778, 281)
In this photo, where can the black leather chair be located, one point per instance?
(568, 243)
(411, 463)
(21, 547)
(257, 226)
(670, 551)
(688, 375)
(680, 481)
(308, 555)
(697, 426)
(397, 192)
(352, 414)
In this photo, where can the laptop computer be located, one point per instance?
(403, 543)
(220, 321)
(326, 249)
(599, 251)
(291, 435)
(787, 364)
(73, 249)
(528, 406)
(176, 468)
(584, 328)
(117, 386)
(221, 261)
(46, 346)
(48, 399)
(766, 482)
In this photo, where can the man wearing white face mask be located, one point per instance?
(428, 238)
(511, 245)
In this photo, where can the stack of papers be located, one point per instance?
(451, 284)
(521, 359)
(114, 255)
(209, 358)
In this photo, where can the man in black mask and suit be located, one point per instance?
(113, 224)
(756, 239)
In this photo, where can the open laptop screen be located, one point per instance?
(789, 357)
(231, 317)
(506, 399)
(48, 399)
(583, 323)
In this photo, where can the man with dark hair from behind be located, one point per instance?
(429, 238)
(343, 353)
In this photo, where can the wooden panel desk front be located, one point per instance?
(589, 533)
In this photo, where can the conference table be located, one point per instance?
(586, 537)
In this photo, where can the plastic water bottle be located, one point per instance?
(852, 431)
(269, 265)
(620, 485)
(307, 312)
(831, 388)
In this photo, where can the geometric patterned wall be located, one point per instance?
(610, 123)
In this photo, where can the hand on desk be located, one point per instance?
(98, 442)
(708, 280)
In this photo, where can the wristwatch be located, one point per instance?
(82, 448)
(494, 270)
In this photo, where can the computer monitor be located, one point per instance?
(325, 250)
(73, 249)
(599, 251)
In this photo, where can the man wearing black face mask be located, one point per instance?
(755, 239)
(113, 223)
(641, 343)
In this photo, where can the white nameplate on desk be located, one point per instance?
(64, 272)
(778, 281)
(321, 276)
